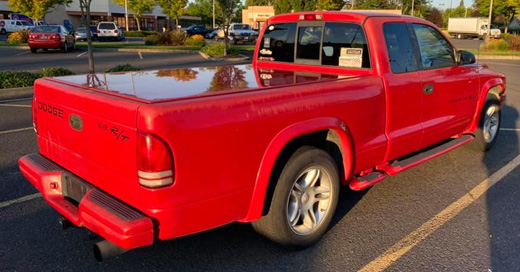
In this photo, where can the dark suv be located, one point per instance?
(196, 30)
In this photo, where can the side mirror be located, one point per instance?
(465, 57)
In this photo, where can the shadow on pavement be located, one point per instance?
(503, 201)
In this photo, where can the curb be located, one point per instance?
(208, 57)
(16, 93)
(491, 57)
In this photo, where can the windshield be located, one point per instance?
(81, 29)
(241, 27)
(46, 29)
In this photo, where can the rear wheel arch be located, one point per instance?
(328, 134)
(492, 89)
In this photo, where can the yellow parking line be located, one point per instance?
(402, 247)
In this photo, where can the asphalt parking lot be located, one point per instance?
(418, 212)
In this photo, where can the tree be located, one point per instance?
(376, 4)
(204, 10)
(435, 16)
(36, 9)
(330, 4)
(258, 3)
(282, 6)
(173, 8)
(84, 6)
(420, 9)
(303, 5)
(507, 8)
(138, 8)
(228, 9)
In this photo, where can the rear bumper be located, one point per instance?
(97, 211)
(45, 44)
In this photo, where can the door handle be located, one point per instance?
(428, 89)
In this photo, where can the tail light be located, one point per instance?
(115, 31)
(154, 162)
(34, 117)
(56, 37)
(98, 31)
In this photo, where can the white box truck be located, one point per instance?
(473, 27)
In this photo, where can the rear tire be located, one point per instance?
(34, 50)
(65, 48)
(304, 200)
(489, 126)
(3, 31)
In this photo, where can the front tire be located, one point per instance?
(33, 50)
(489, 126)
(304, 200)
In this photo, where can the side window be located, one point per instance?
(277, 44)
(345, 45)
(309, 40)
(435, 51)
(18, 23)
(399, 47)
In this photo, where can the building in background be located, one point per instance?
(256, 16)
(100, 10)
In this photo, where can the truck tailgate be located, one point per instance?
(92, 135)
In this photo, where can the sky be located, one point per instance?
(445, 4)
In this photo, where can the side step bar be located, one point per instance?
(361, 183)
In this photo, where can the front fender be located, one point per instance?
(281, 140)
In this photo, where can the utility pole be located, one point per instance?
(214, 14)
(126, 14)
(489, 21)
(353, 3)
(413, 5)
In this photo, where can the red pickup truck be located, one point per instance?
(332, 98)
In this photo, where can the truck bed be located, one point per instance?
(184, 83)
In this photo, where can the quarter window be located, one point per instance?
(435, 51)
(277, 43)
(399, 47)
(345, 45)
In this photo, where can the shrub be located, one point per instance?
(514, 42)
(16, 79)
(123, 68)
(55, 71)
(496, 45)
(195, 40)
(19, 37)
(142, 33)
(217, 50)
(174, 38)
(152, 40)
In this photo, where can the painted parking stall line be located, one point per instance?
(20, 200)
(81, 54)
(391, 255)
(15, 130)
(15, 105)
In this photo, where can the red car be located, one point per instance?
(332, 98)
(51, 37)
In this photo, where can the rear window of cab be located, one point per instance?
(339, 44)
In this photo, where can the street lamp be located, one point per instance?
(213, 13)
(126, 14)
